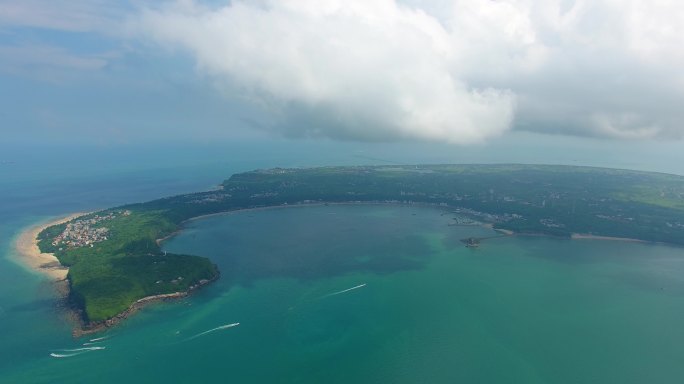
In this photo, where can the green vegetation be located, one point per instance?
(114, 258)
(105, 287)
(106, 277)
(553, 200)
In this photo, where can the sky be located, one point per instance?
(457, 73)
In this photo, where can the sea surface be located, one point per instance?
(339, 293)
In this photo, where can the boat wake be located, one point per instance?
(82, 349)
(74, 351)
(61, 355)
(95, 340)
(225, 326)
(344, 291)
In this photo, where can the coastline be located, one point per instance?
(268, 207)
(47, 264)
(586, 236)
(87, 329)
(311, 204)
(29, 255)
(507, 232)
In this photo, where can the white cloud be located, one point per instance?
(359, 69)
(459, 71)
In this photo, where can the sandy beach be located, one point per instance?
(30, 256)
(584, 236)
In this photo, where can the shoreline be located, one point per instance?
(586, 236)
(29, 255)
(313, 204)
(507, 232)
(268, 207)
(46, 264)
(87, 329)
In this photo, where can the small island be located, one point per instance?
(116, 264)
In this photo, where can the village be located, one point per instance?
(85, 232)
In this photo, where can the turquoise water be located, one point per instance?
(372, 294)
(340, 294)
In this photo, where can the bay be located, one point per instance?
(388, 294)
(341, 293)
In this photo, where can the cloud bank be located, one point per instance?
(459, 71)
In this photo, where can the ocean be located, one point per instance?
(337, 294)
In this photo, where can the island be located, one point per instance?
(116, 264)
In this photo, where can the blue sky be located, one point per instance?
(605, 74)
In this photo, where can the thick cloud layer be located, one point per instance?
(459, 71)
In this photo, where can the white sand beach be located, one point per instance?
(30, 256)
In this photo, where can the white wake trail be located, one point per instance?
(82, 349)
(213, 330)
(61, 355)
(344, 290)
(99, 339)
(74, 351)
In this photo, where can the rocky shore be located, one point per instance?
(94, 327)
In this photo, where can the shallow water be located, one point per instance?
(515, 310)
(384, 294)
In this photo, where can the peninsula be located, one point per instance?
(116, 262)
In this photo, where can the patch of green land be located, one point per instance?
(124, 262)
(107, 276)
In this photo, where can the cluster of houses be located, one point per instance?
(550, 223)
(84, 232)
(210, 198)
(488, 217)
